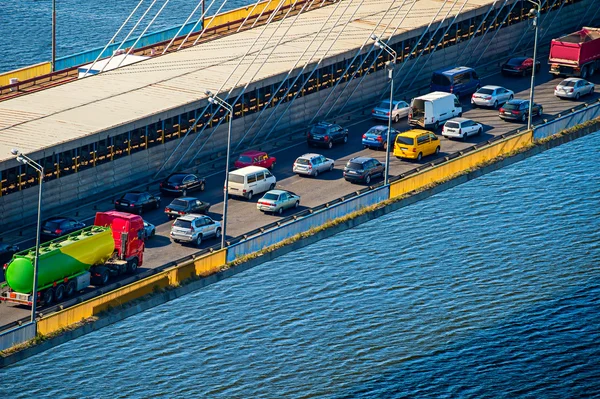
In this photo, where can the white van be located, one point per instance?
(431, 110)
(249, 181)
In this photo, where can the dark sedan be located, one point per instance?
(6, 252)
(186, 205)
(59, 226)
(137, 202)
(182, 184)
(519, 66)
(518, 110)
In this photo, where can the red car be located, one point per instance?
(255, 158)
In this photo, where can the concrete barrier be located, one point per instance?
(171, 277)
(561, 123)
(25, 73)
(17, 335)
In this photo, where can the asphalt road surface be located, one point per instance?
(243, 215)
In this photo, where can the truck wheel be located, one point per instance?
(59, 293)
(132, 266)
(103, 276)
(71, 288)
(48, 296)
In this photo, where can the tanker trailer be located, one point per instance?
(70, 263)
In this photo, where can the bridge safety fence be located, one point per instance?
(17, 335)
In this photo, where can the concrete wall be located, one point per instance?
(140, 167)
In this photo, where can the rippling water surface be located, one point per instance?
(490, 289)
(26, 25)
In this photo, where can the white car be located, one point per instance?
(491, 96)
(399, 110)
(194, 228)
(276, 201)
(573, 88)
(461, 128)
(312, 164)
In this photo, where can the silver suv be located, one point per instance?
(194, 228)
(312, 165)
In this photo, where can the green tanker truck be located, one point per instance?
(112, 246)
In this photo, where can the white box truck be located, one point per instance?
(433, 109)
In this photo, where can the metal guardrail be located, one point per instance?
(17, 335)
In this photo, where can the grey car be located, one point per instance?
(399, 110)
(573, 88)
(312, 164)
(194, 229)
(276, 201)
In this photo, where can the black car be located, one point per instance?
(183, 206)
(325, 134)
(137, 202)
(518, 110)
(519, 66)
(363, 170)
(182, 184)
(59, 226)
(6, 252)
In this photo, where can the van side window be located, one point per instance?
(423, 139)
(462, 78)
(433, 137)
(439, 79)
(252, 178)
(260, 176)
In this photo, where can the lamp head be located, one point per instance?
(22, 160)
(211, 100)
(208, 93)
(374, 37)
(533, 12)
(14, 151)
(377, 43)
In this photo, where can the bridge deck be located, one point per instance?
(91, 105)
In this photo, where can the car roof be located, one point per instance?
(572, 79)
(458, 120)
(378, 127)
(56, 219)
(519, 58)
(179, 174)
(414, 133)
(277, 192)
(434, 95)
(516, 101)
(190, 217)
(252, 152)
(309, 155)
(361, 159)
(453, 70)
(186, 198)
(247, 169)
(491, 87)
(324, 123)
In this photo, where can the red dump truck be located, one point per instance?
(576, 54)
(114, 245)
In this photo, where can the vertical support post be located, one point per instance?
(389, 132)
(531, 89)
(37, 248)
(53, 35)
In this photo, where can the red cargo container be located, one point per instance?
(576, 54)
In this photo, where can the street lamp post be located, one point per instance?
(535, 12)
(25, 160)
(391, 64)
(213, 99)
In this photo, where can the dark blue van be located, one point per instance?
(460, 81)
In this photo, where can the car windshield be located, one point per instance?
(245, 159)
(511, 106)
(570, 83)
(131, 197)
(186, 224)
(236, 178)
(302, 161)
(354, 165)
(452, 125)
(439, 79)
(404, 140)
(485, 91)
(318, 130)
(176, 179)
(179, 202)
(52, 225)
(516, 61)
(271, 196)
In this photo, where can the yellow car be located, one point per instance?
(416, 144)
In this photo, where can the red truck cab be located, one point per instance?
(255, 158)
(128, 234)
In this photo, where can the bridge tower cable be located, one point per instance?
(490, 9)
(526, 30)
(248, 16)
(496, 32)
(381, 52)
(260, 15)
(416, 61)
(129, 34)
(273, 48)
(219, 90)
(200, 19)
(300, 74)
(358, 52)
(112, 39)
(334, 9)
(185, 23)
(143, 32)
(204, 28)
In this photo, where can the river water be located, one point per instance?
(490, 289)
(26, 25)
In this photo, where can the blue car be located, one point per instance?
(376, 137)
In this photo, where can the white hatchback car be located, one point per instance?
(491, 96)
(461, 128)
(573, 88)
(312, 164)
(399, 110)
